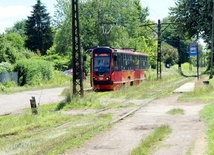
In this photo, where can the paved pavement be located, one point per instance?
(187, 87)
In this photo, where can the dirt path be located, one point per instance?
(187, 137)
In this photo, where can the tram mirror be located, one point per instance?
(115, 58)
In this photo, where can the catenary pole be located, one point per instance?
(212, 44)
(76, 52)
(159, 53)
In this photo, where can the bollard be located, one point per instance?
(33, 105)
(206, 82)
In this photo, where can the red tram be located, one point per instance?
(112, 68)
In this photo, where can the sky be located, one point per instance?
(158, 9)
(12, 11)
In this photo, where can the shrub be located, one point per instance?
(59, 62)
(10, 84)
(2, 87)
(150, 76)
(5, 67)
(33, 71)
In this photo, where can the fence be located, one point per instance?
(9, 76)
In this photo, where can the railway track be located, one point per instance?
(89, 127)
(157, 93)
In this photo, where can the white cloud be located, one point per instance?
(11, 14)
(14, 11)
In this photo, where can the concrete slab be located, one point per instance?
(187, 87)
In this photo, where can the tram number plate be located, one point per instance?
(101, 78)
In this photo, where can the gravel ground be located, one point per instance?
(187, 135)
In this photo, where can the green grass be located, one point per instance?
(204, 93)
(208, 115)
(145, 90)
(152, 88)
(176, 111)
(151, 143)
(49, 132)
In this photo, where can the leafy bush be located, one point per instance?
(16, 40)
(59, 62)
(5, 67)
(150, 76)
(2, 87)
(12, 48)
(33, 71)
(10, 84)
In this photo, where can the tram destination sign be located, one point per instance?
(193, 49)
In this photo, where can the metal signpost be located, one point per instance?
(193, 51)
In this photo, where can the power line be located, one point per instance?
(157, 15)
(159, 32)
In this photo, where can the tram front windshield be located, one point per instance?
(101, 62)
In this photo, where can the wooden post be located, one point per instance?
(33, 105)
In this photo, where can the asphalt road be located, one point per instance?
(11, 103)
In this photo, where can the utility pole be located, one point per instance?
(212, 44)
(179, 54)
(159, 53)
(198, 64)
(76, 55)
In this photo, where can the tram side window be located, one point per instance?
(126, 61)
(123, 61)
(143, 62)
(137, 62)
(118, 63)
(129, 62)
(140, 59)
(146, 62)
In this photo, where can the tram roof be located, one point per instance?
(130, 51)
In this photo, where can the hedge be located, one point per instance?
(33, 71)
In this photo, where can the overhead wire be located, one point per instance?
(152, 12)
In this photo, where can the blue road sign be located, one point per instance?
(193, 49)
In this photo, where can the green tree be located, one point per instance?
(62, 23)
(92, 14)
(126, 32)
(38, 29)
(193, 18)
(180, 40)
(169, 54)
(18, 27)
(16, 40)
(12, 48)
